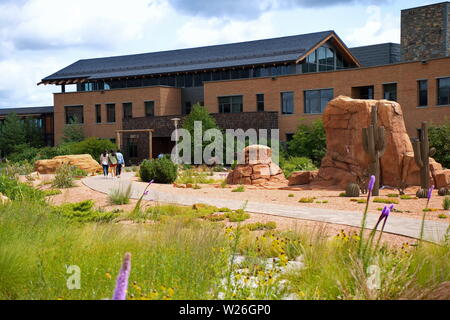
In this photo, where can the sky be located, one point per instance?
(40, 37)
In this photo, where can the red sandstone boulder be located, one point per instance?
(258, 154)
(302, 177)
(442, 178)
(346, 160)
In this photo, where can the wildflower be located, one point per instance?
(120, 292)
(363, 222)
(430, 192)
(108, 275)
(371, 183)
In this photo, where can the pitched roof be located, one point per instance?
(26, 110)
(273, 50)
(378, 54)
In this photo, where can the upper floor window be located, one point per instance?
(390, 91)
(287, 102)
(231, 104)
(111, 113)
(74, 115)
(317, 100)
(422, 88)
(149, 108)
(127, 110)
(443, 94)
(260, 102)
(98, 113)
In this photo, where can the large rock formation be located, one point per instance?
(82, 161)
(346, 161)
(258, 168)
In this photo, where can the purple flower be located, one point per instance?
(120, 292)
(146, 193)
(430, 192)
(371, 183)
(149, 184)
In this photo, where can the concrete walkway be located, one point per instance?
(434, 230)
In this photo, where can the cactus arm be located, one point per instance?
(371, 142)
(418, 153)
(381, 141)
(432, 152)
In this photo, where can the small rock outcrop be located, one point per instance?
(258, 168)
(82, 161)
(3, 199)
(346, 160)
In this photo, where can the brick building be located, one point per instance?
(271, 83)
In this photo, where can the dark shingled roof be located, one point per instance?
(28, 110)
(377, 54)
(219, 56)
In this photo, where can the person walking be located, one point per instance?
(104, 162)
(120, 163)
(112, 160)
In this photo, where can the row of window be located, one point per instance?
(75, 114)
(189, 80)
(325, 58)
(315, 102)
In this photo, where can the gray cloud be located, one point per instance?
(251, 9)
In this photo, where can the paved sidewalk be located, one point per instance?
(434, 230)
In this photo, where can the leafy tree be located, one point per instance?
(199, 113)
(93, 146)
(73, 133)
(11, 134)
(34, 135)
(309, 141)
(439, 136)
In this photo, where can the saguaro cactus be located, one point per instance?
(374, 145)
(422, 154)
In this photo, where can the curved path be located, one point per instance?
(434, 230)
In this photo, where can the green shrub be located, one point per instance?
(120, 196)
(258, 226)
(439, 136)
(239, 189)
(307, 200)
(21, 168)
(63, 177)
(83, 212)
(16, 190)
(407, 197)
(93, 146)
(52, 192)
(384, 200)
(291, 195)
(237, 216)
(160, 170)
(393, 195)
(309, 141)
(77, 172)
(293, 164)
(73, 132)
(446, 203)
(215, 217)
(193, 177)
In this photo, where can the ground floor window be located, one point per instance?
(390, 91)
(149, 108)
(287, 102)
(317, 100)
(231, 104)
(187, 107)
(423, 93)
(74, 114)
(132, 144)
(443, 93)
(111, 113)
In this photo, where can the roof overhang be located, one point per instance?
(63, 81)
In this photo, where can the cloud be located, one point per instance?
(252, 9)
(379, 28)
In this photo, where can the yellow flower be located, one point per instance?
(108, 275)
(170, 292)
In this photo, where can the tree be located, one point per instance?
(34, 135)
(93, 146)
(309, 141)
(73, 133)
(12, 134)
(439, 136)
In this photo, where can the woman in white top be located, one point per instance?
(104, 162)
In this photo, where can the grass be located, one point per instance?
(120, 195)
(291, 195)
(239, 189)
(393, 195)
(64, 177)
(307, 200)
(258, 226)
(361, 201)
(193, 177)
(386, 201)
(52, 192)
(446, 203)
(407, 197)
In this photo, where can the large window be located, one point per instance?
(127, 110)
(231, 104)
(98, 113)
(187, 107)
(390, 91)
(422, 88)
(149, 108)
(260, 102)
(74, 114)
(363, 92)
(287, 102)
(443, 94)
(317, 100)
(111, 113)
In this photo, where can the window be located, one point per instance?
(260, 102)
(287, 102)
(390, 91)
(443, 93)
(132, 144)
(198, 80)
(98, 113)
(127, 110)
(289, 137)
(187, 107)
(232, 104)
(111, 113)
(422, 88)
(149, 108)
(74, 115)
(317, 100)
(363, 92)
(310, 64)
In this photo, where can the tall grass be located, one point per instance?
(120, 195)
(63, 177)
